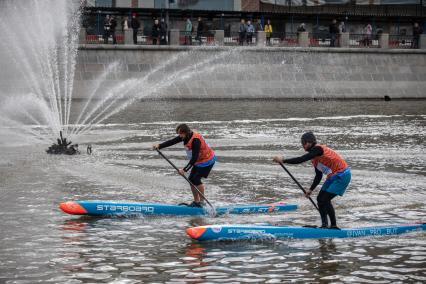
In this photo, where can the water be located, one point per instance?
(382, 141)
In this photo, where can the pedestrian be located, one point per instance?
(334, 31)
(107, 28)
(242, 31)
(250, 32)
(259, 26)
(368, 31)
(326, 162)
(155, 32)
(188, 31)
(201, 159)
(200, 30)
(268, 31)
(135, 26)
(342, 27)
(125, 24)
(417, 31)
(163, 32)
(113, 26)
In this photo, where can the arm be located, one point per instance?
(170, 142)
(196, 145)
(314, 152)
(317, 179)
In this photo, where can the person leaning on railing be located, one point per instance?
(268, 31)
(135, 26)
(417, 31)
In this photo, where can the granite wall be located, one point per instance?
(229, 72)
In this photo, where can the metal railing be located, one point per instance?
(401, 41)
(195, 38)
(276, 39)
(106, 38)
(363, 40)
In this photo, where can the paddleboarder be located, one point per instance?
(200, 155)
(326, 162)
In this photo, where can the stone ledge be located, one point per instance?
(249, 48)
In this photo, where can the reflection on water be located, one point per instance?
(383, 143)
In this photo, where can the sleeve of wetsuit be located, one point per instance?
(317, 179)
(314, 152)
(196, 145)
(171, 142)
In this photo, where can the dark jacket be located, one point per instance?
(417, 31)
(135, 24)
(334, 29)
(200, 27)
(113, 23)
(155, 32)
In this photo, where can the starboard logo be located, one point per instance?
(125, 208)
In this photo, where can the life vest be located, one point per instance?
(329, 163)
(206, 153)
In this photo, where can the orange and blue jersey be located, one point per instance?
(330, 162)
(206, 156)
(326, 161)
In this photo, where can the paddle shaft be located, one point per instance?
(300, 186)
(192, 185)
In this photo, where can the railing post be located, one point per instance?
(384, 41)
(422, 41)
(128, 36)
(260, 38)
(303, 39)
(219, 36)
(82, 35)
(344, 39)
(174, 36)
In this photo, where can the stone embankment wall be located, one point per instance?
(250, 72)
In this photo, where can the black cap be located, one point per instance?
(308, 137)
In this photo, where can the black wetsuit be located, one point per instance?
(197, 172)
(324, 198)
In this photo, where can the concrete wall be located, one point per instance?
(229, 72)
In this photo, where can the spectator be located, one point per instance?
(125, 24)
(242, 31)
(417, 31)
(113, 26)
(334, 30)
(200, 29)
(368, 31)
(250, 32)
(107, 27)
(188, 31)
(155, 32)
(163, 32)
(268, 31)
(135, 26)
(342, 27)
(301, 28)
(259, 26)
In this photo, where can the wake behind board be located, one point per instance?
(244, 232)
(102, 208)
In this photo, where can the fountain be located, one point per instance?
(37, 88)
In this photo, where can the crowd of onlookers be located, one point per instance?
(246, 31)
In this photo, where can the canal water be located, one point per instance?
(383, 142)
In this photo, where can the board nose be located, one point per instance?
(195, 232)
(72, 207)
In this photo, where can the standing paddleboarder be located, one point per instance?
(325, 161)
(201, 159)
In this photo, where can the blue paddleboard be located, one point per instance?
(240, 232)
(99, 208)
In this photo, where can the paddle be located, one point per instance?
(193, 186)
(300, 186)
